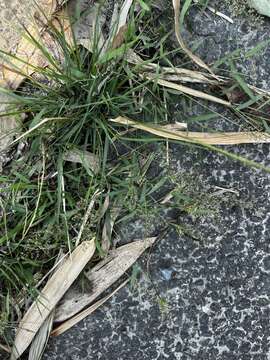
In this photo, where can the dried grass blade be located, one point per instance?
(259, 91)
(173, 73)
(176, 126)
(218, 13)
(195, 58)
(230, 138)
(53, 291)
(5, 348)
(185, 78)
(101, 277)
(189, 91)
(41, 123)
(110, 217)
(83, 314)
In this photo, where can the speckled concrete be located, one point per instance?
(206, 299)
(215, 38)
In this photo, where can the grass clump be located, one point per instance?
(45, 194)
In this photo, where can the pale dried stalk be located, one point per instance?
(5, 348)
(41, 338)
(53, 291)
(41, 123)
(101, 277)
(174, 73)
(229, 138)
(189, 91)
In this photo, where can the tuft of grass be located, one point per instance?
(66, 107)
(44, 197)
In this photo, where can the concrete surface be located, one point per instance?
(198, 299)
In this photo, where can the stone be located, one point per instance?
(262, 6)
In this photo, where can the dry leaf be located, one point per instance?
(230, 138)
(119, 37)
(88, 30)
(83, 314)
(123, 14)
(83, 156)
(29, 56)
(101, 277)
(8, 124)
(41, 338)
(189, 91)
(10, 70)
(53, 291)
(13, 23)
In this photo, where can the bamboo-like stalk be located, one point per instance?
(220, 138)
(101, 277)
(53, 291)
